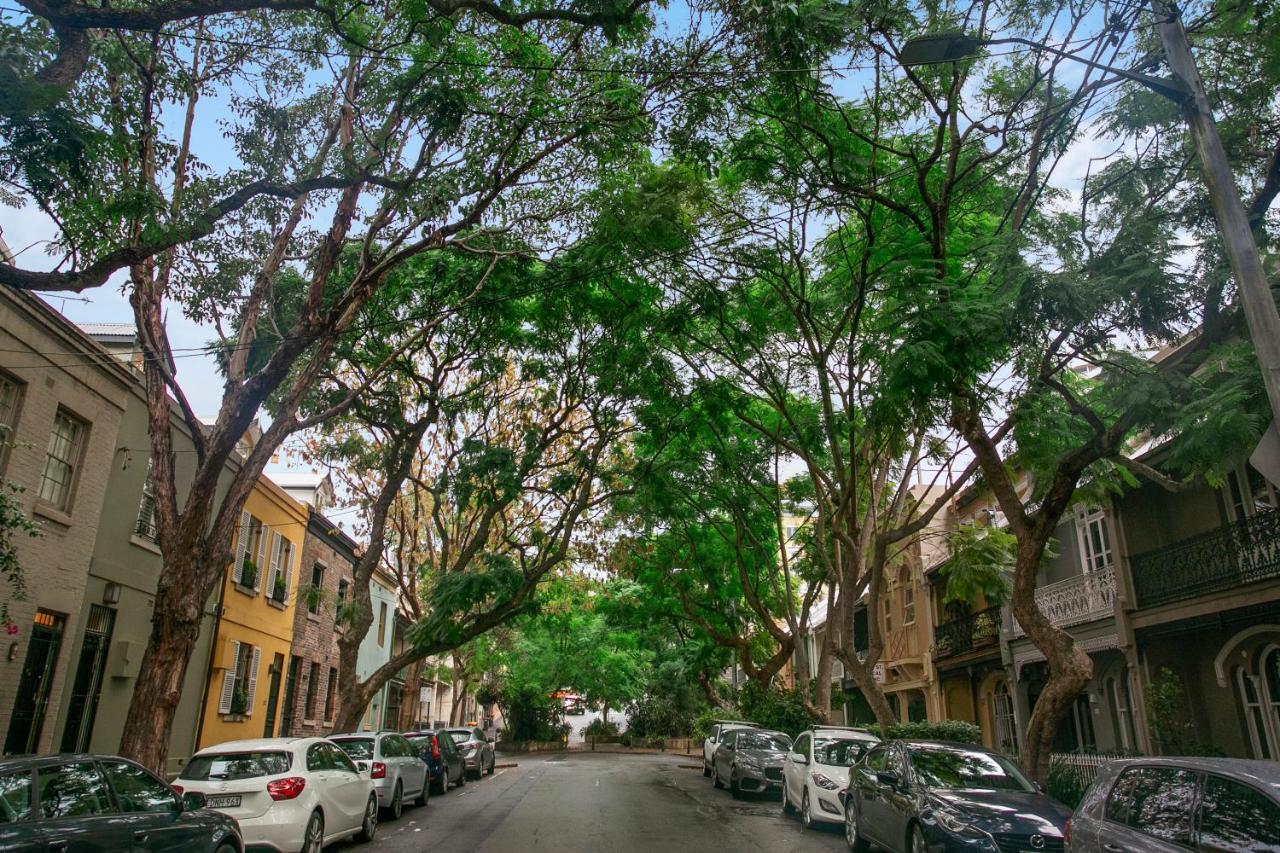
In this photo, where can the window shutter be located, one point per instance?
(275, 561)
(253, 682)
(229, 680)
(286, 550)
(242, 544)
(268, 549)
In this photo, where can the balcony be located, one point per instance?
(968, 633)
(1239, 553)
(1082, 598)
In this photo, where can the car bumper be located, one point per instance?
(826, 806)
(759, 782)
(472, 762)
(278, 834)
(385, 789)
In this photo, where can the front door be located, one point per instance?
(273, 697)
(34, 684)
(290, 689)
(83, 705)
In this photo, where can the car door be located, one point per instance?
(76, 810)
(897, 804)
(1150, 808)
(19, 830)
(795, 768)
(351, 787)
(323, 773)
(152, 810)
(709, 745)
(871, 805)
(723, 756)
(1236, 816)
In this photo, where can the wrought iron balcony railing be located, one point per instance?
(1082, 598)
(1239, 553)
(975, 631)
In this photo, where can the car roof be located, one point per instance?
(258, 744)
(735, 723)
(14, 762)
(1263, 773)
(770, 732)
(844, 733)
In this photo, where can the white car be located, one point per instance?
(715, 737)
(290, 795)
(816, 770)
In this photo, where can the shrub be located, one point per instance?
(1169, 716)
(655, 717)
(955, 730)
(1067, 782)
(600, 728)
(705, 719)
(774, 708)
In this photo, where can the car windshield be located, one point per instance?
(235, 765)
(360, 748)
(838, 752)
(954, 767)
(460, 737)
(761, 740)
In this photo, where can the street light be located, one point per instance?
(1185, 89)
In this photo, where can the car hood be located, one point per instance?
(1015, 812)
(762, 756)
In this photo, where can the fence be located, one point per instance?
(1071, 773)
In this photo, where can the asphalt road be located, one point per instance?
(596, 803)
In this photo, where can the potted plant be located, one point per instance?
(248, 573)
(238, 703)
(277, 591)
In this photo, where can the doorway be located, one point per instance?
(82, 707)
(34, 685)
(273, 697)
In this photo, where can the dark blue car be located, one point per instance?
(444, 761)
(922, 796)
(97, 804)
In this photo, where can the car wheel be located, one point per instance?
(369, 826)
(851, 833)
(493, 764)
(916, 840)
(787, 808)
(706, 768)
(462, 777)
(227, 848)
(440, 784)
(715, 777)
(733, 786)
(424, 794)
(313, 837)
(806, 817)
(397, 803)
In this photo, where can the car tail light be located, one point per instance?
(378, 770)
(435, 747)
(1066, 832)
(177, 789)
(286, 789)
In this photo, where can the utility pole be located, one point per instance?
(1233, 222)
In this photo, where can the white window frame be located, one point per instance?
(908, 604)
(60, 493)
(145, 526)
(1241, 499)
(10, 404)
(1089, 519)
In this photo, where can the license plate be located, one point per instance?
(222, 802)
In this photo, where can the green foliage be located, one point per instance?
(774, 708)
(1169, 720)
(1067, 782)
(960, 731)
(601, 728)
(14, 521)
(979, 565)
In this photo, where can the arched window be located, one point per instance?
(1260, 733)
(1002, 716)
(1118, 695)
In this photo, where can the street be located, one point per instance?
(585, 802)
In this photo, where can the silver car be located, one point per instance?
(750, 761)
(397, 770)
(1174, 804)
(476, 749)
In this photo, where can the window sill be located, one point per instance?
(233, 718)
(245, 590)
(144, 544)
(314, 617)
(278, 605)
(52, 513)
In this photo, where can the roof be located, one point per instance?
(114, 332)
(298, 479)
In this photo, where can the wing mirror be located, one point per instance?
(889, 778)
(362, 766)
(799, 758)
(193, 801)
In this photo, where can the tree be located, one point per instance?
(405, 154)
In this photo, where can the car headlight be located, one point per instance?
(825, 783)
(953, 821)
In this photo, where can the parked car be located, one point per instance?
(394, 765)
(443, 759)
(935, 795)
(82, 803)
(1167, 804)
(750, 760)
(287, 794)
(816, 770)
(477, 750)
(719, 729)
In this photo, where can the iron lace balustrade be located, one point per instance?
(967, 633)
(1239, 553)
(1082, 598)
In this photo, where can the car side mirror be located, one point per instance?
(362, 766)
(889, 778)
(193, 801)
(799, 758)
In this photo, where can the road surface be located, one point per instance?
(597, 803)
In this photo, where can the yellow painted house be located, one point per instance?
(246, 687)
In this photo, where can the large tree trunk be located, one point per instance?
(1070, 669)
(864, 676)
(409, 708)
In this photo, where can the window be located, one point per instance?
(1234, 816)
(145, 526)
(62, 458)
(15, 797)
(73, 790)
(281, 560)
(1002, 715)
(1249, 493)
(313, 687)
(331, 694)
(1261, 726)
(137, 790)
(382, 624)
(339, 760)
(1118, 693)
(318, 757)
(877, 759)
(908, 604)
(10, 394)
(240, 681)
(802, 744)
(247, 568)
(886, 609)
(317, 585)
(233, 766)
(1095, 542)
(1156, 801)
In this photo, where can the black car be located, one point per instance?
(939, 796)
(444, 760)
(103, 804)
